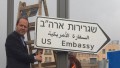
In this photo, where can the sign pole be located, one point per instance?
(10, 16)
(62, 12)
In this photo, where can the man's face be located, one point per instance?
(22, 26)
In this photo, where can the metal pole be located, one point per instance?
(62, 12)
(63, 8)
(10, 16)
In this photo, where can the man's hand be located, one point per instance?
(38, 57)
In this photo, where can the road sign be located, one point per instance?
(69, 35)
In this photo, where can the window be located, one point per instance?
(113, 49)
(110, 50)
(103, 58)
(93, 60)
(48, 59)
(48, 52)
(103, 51)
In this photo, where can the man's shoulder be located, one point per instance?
(12, 35)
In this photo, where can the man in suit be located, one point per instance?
(16, 49)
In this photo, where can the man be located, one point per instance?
(16, 49)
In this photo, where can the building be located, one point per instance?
(101, 55)
(113, 46)
(87, 57)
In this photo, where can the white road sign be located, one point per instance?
(69, 35)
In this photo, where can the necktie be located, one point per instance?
(23, 41)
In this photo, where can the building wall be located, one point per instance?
(85, 57)
(101, 55)
(110, 47)
(3, 32)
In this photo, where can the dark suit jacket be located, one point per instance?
(16, 52)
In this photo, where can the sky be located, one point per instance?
(104, 12)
